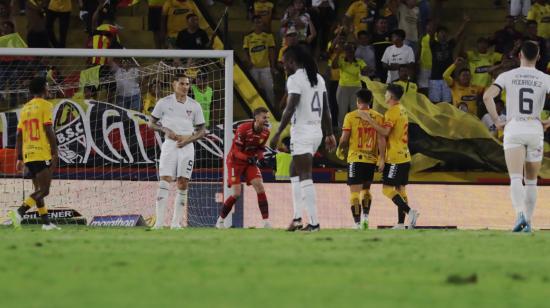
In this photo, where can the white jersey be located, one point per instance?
(526, 90)
(306, 120)
(179, 117)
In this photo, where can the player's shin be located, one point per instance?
(162, 199)
(179, 204)
(227, 206)
(297, 197)
(530, 198)
(43, 212)
(262, 204)
(395, 197)
(517, 193)
(366, 201)
(308, 191)
(355, 207)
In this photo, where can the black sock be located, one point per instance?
(23, 209)
(356, 213)
(366, 207)
(45, 219)
(400, 216)
(401, 204)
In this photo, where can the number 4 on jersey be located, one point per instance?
(316, 104)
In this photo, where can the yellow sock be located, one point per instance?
(403, 194)
(30, 202)
(366, 197)
(42, 211)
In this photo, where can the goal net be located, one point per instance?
(108, 156)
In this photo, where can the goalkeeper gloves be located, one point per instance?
(252, 160)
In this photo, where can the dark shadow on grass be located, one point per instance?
(462, 280)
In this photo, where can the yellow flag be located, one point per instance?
(89, 77)
(12, 40)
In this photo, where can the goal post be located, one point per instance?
(128, 174)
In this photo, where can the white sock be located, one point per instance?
(162, 198)
(179, 204)
(517, 192)
(297, 197)
(308, 191)
(530, 198)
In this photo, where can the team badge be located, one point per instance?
(189, 112)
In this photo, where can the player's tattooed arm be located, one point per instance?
(381, 152)
(326, 124)
(155, 125)
(200, 131)
(292, 102)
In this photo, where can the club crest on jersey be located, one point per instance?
(189, 112)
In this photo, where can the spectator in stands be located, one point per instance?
(264, 9)
(520, 8)
(5, 13)
(425, 72)
(193, 37)
(531, 34)
(174, 19)
(202, 93)
(442, 49)
(358, 16)
(105, 35)
(259, 48)
(397, 54)
(365, 52)
(380, 41)
(290, 39)
(297, 17)
(7, 27)
(482, 62)
(87, 9)
(151, 97)
(351, 70)
(465, 95)
(326, 14)
(37, 36)
(390, 12)
(540, 12)
(334, 73)
(407, 16)
(128, 92)
(504, 39)
(488, 122)
(58, 9)
(424, 15)
(405, 79)
(154, 20)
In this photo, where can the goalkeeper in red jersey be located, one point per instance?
(247, 149)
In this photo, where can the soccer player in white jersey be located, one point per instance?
(308, 112)
(526, 89)
(181, 120)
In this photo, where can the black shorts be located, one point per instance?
(35, 167)
(396, 174)
(359, 173)
(154, 18)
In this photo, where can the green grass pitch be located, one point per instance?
(85, 267)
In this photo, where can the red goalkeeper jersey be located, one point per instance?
(248, 143)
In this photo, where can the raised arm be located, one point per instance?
(382, 130)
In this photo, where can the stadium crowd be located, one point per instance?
(392, 41)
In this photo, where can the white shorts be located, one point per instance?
(176, 162)
(532, 142)
(303, 145)
(424, 78)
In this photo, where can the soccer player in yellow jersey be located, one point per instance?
(36, 147)
(365, 148)
(398, 158)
